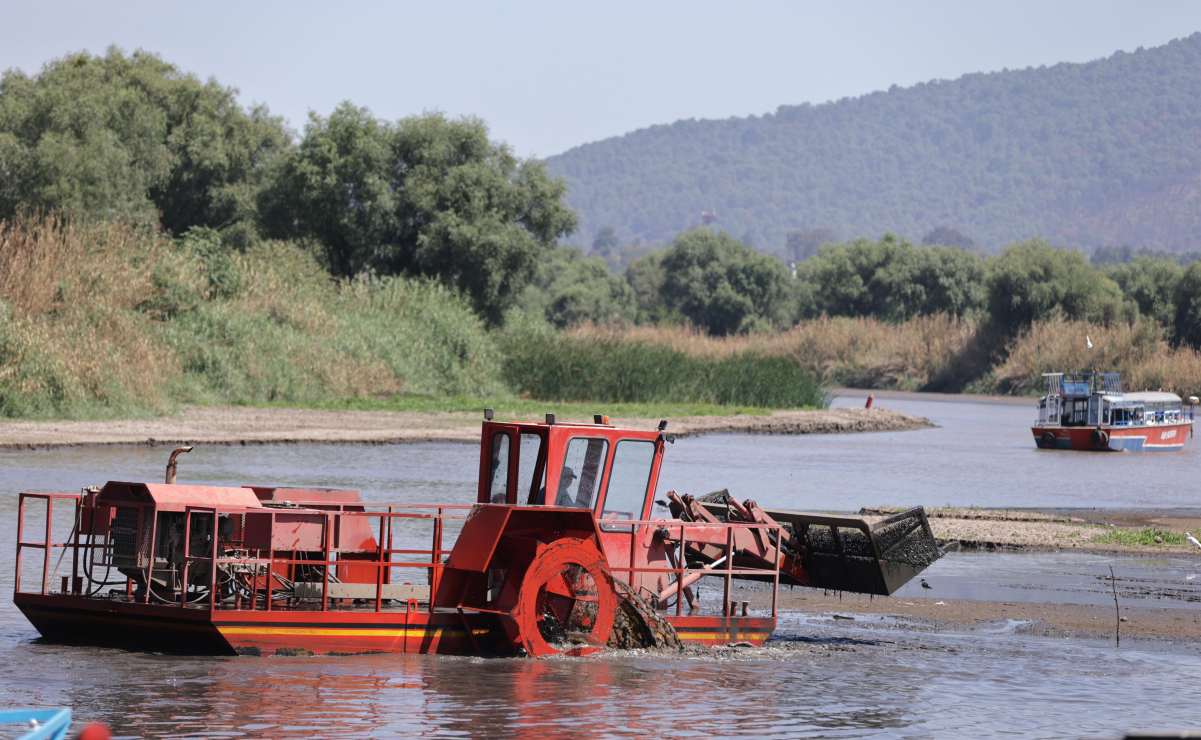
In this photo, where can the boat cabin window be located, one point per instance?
(583, 468)
(1075, 413)
(499, 478)
(531, 468)
(631, 473)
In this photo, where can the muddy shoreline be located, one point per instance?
(1044, 530)
(1035, 618)
(240, 425)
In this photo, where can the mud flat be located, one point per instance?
(246, 425)
(1048, 619)
(1082, 530)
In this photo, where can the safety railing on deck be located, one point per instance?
(47, 545)
(239, 578)
(677, 535)
(259, 591)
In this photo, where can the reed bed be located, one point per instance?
(108, 320)
(1138, 350)
(870, 353)
(858, 352)
(113, 320)
(606, 366)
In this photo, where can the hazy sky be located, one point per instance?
(549, 75)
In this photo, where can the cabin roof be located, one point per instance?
(177, 497)
(1151, 397)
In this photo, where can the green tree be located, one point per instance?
(424, 196)
(133, 138)
(722, 285)
(645, 276)
(1187, 322)
(893, 280)
(1151, 283)
(1032, 280)
(570, 289)
(338, 188)
(802, 244)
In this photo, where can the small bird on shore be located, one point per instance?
(925, 585)
(1189, 536)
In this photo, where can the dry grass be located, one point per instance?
(48, 265)
(862, 352)
(101, 320)
(869, 353)
(71, 335)
(1139, 351)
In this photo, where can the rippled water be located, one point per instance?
(824, 678)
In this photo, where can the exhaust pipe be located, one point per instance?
(171, 463)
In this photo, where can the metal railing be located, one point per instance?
(675, 534)
(243, 579)
(47, 545)
(263, 567)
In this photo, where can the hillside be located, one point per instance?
(1096, 154)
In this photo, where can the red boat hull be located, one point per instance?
(79, 620)
(1160, 437)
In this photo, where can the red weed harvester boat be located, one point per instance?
(559, 555)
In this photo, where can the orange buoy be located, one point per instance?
(95, 731)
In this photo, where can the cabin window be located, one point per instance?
(583, 468)
(531, 473)
(631, 473)
(1076, 414)
(499, 485)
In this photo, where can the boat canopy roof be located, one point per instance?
(1151, 397)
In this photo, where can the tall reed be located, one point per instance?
(105, 319)
(597, 367)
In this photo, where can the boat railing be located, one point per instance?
(401, 568)
(678, 534)
(47, 545)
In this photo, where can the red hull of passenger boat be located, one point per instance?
(1159, 438)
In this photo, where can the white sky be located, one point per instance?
(547, 76)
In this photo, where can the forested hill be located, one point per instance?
(1097, 154)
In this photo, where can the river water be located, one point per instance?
(823, 677)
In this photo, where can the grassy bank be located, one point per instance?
(512, 407)
(105, 321)
(912, 355)
(110, 321)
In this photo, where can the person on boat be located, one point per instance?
(566, 478)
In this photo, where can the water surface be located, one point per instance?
(829, 679)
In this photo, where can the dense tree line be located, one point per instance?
(132, 138)
(1091, 155)
(695, 278)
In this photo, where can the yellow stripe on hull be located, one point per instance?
(349, 631)
(687, 635)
